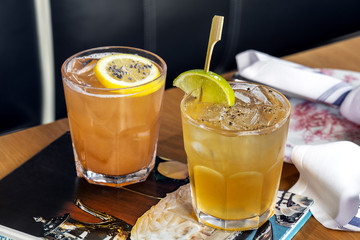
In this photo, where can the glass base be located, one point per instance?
(234, 225)
(111, 180)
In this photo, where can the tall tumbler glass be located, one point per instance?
(114, 131)
(235, 155)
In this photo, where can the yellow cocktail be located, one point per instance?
(114, 131)
(235, 155)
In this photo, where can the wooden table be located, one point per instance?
(18, 147)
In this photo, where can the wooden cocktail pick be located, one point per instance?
(215, 36)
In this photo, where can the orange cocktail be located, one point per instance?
(235, 155)
(114, 131)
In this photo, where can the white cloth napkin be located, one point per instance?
(330, 174)
(297, 80)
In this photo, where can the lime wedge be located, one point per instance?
(211, 86)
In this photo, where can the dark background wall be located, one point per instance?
(176, 30)
(19, 68)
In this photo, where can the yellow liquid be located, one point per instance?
(233, 176)
(113, 134)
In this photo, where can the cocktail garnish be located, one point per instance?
(208, 86)
(125, 71)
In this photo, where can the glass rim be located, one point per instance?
(66, 77)
(238, 132)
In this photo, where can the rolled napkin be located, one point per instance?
(298, 80)
(350, 108)
(330, 174)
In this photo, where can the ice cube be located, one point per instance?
(210, 113)
(240, 117)
(256, 107)
(262, 96)
(270, 115)
(88, 69)
(81, 70)
(243, 96)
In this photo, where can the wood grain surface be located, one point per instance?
(18, 147)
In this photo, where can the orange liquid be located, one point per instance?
(113, 134)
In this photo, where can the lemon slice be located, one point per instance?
(213, 87)
(127, 71)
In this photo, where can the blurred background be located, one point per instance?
(37, 36)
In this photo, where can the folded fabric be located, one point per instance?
(297, 80)
(330, 174)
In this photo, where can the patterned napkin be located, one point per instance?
(316, 123)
